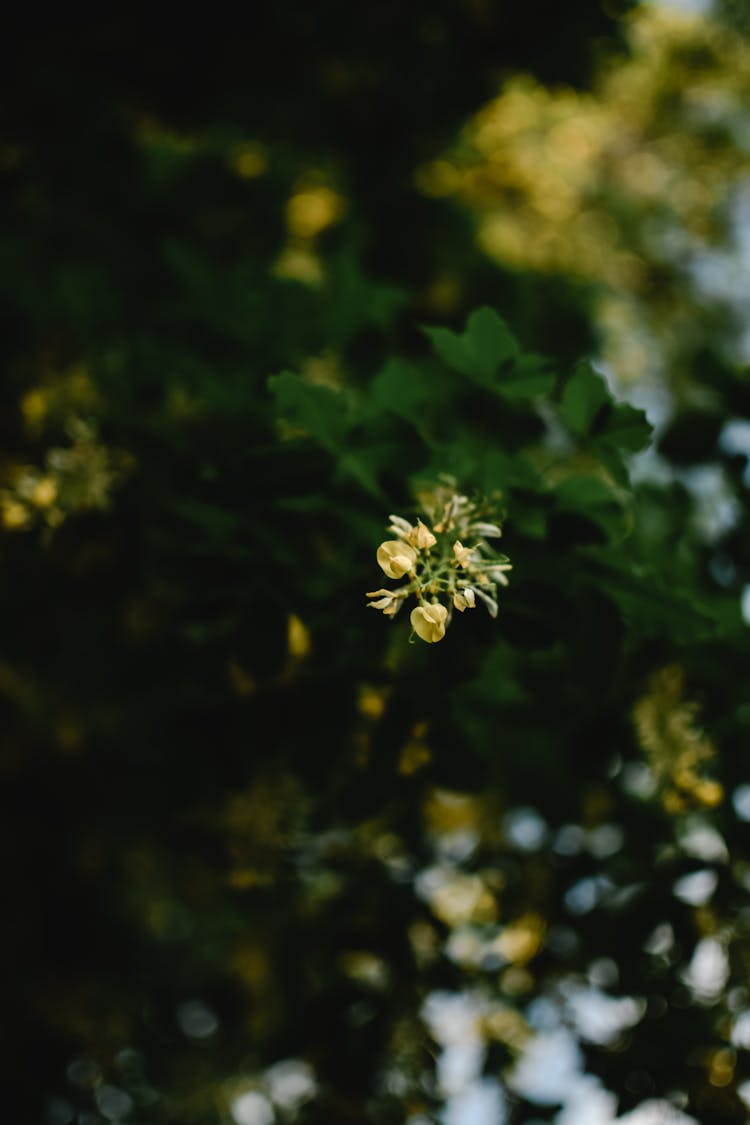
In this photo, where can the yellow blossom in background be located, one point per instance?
(414, 756)
(521, 940)
(249, 160)
(428, 622)
(34, 409)
(44, 492)
(622, 186)
(460, 898)
(311, 209)
(299, 263)
(60, 398)
(15, 516)
(676, 748)
(371, 701)
(298, 638)
(76, 477)
(446, 811)
(507, 1026)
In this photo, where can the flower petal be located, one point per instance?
(428, 622)
(396, 558)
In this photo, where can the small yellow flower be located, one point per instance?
(396, 558)
(387, 600)
(428, 622)
(464, 599)
(463, 555)
(15, 515)
(44, 492)
(421, 537)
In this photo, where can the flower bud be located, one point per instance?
(464, 599)
(421, 537)
(463, 555)
(396, 558)
(400, 527)
(390, 601)
(428, 622)
(487, 530)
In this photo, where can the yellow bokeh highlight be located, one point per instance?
(311, 210)
(299, 263)
(15, 515)
(324, 370)
(676, 749)
(299, 642)
(721, 1066)
(414, 756)
(312, 207)
(34, 408)
(448, 811)
(371, 701)
(365, 967)
(44, 492)
(463, 898)
(505, 1025)
(249, 160)
(521, 940)
(59, 396)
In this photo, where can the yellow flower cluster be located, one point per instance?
(76, 477)
(624, 185)
(449, 565)
(677, 750)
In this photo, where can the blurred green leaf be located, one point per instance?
(488, 353)
(402, 388)
(595, 498)
(625, 428)
(584, 393)
(319, 412)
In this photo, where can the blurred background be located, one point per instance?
(264, 861)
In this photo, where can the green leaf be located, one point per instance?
(480, 351)
(359, 467)
(213, 523)
(354, 300)
(319, 412)
(582, 492)
(402, 389)
(647, 601)
(531, 521)
(533, 385)
(323, 414)
(627, 428)
(489, 355)
(583, 395)
(598, 501)
(490, 341)
(452, 350)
